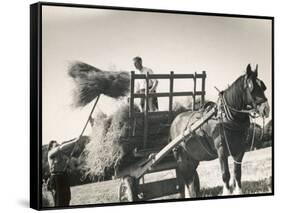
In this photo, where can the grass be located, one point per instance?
(256, 178)
(249, 187)
(102, 192)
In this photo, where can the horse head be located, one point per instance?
(255, 89)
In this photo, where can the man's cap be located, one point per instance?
(51, 144)
(137, 58)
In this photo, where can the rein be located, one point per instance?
(263, 123)
(227, 143)
(227, 110)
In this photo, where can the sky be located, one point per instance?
(109, 39)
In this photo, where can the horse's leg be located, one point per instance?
(193, 186)
(190, 187)
(181, 183)
(179, 170)
(186, 172)
(224, 169)
(237, 174)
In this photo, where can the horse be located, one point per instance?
(222, 136)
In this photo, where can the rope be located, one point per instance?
(253, 137)
(226, 110)
(262, 130)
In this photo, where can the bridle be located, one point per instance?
(253, 112)
(227, 108)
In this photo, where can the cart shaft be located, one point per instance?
(184, 136)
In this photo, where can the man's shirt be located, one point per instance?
(141, 83)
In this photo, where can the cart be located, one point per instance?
(151, 130)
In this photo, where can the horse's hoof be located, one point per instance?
(237, 191)
(226, 191)
(233, 183)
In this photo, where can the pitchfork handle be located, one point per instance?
(89, 116)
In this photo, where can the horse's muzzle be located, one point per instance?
(263, 109)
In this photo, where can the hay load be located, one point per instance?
(106, 148)
(91, 82)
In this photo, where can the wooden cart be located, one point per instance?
(151, 130)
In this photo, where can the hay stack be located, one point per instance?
(91, 82)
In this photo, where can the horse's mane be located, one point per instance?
(235, 94)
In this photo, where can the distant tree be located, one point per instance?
(267, 138)
(268, 131)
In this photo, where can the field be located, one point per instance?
(256, 178)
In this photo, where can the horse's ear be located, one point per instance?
(256, 71)
(249, 70)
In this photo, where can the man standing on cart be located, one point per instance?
(141, 86)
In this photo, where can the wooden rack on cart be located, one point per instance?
(143, 126)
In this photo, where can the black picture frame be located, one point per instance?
(36, 99)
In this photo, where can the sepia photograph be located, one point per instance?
(143, 106)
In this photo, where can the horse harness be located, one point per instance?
(224, 111)
(206, 146)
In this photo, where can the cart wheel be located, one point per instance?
(126, 191)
